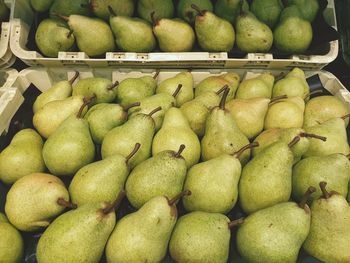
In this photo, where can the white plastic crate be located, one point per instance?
(22, 18)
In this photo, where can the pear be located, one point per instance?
(222, 134)
(213, 33)
(161, 9)
(70, 147)
(216, 83)
(34, 200)
(163, 174)
(202, 237)
(11, 242)
(53, 36)
(133, 90)
(153, 223)
(214, 183)
(329, 237)
(185, 79)
(252, 35)
(122, 139)
(102, 89)
(59, 91)
(79, 235)
(308, 8)
(41, 5)
(47, 119)
(174, 132)
(69, 7)
(334, 169)
(323, 108)
(120, 7)
(4, 11)
(267, 11)
(101, 181)
(258, 87)
(23, 156)
(275, 234)
(229, 9)
(186, 12)
(267, 179)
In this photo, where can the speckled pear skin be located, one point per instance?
(23, 156)
(79, 235)
(31, 202)
(229, 9)
(267, 11)
(41, 5)
(274, 234)
(120, 7)
(153, 223)
(267, 179)
(187, 13)
(161, 9)
(308, 8)
(201, 237)
(258, 87)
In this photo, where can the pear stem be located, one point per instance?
(70, 33)
(112, 206)
(348, 156)
(235, 223)
(65, 18)
(199, 11)
(315, 136)
(86, 102)
(76, 75)
(222, 90)
(132, 105)
(241, 2)
(244, 148)
(66, 204)
(325, 193)
(114, 85)
(294, 141)
(282, 97)
(223, 99)
(179, 152)
(176, 198)
(318, 91)
(154, 111)
(157, 74)
(154, 20)
(346, 116)
(134, 151)
(111, 11)
(306, 196)
(178, 89)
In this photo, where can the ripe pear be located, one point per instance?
(216, 83)
(308, 8)
(120, 7)
(122, 139)
(329, 237)
(11, 242)
(296, 79)
(258, 87)
(214, 183)
(333, 169)
(101, 181)
(59, 91)
(47, 119)
(23, 156)
(222, 134)
(267, 11)
(41, 5)
(70, 147)
(229, 9)
(161, 9)
(69, 7)
(34, 200)
(174, 132)
(186, 12)
(162, 174)
(213, 33)
(275, 234)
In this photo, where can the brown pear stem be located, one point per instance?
(306, 196)
(178, 89)
(294, 141)
(282, 97)
(324, 190)
(348, 156)
(176, 198)
(76, 75)
(154, 20)
(189, 70)
(132, 105)
(86, 102)
(179, 152)
(222, 90)
(112, 206)
(235, 223)
(223, 99)
(66, 204)
(65, 18)
(315, 136)
(134, 151)
(318, 91)
(111, 11)
(154, 111)
(114, 85)
(244, 148)
(196, 8)
(156, 74)
(70, 33)
(346, 116)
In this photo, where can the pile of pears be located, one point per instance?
(147, 25)
(157, 166)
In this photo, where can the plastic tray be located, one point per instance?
(22, 18)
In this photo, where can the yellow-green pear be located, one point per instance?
(258, 87)
(296, 79)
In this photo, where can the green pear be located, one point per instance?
(23, 156)
(267, 11)
(229, 9)
(252, 35)
(174, 132)
(122, 139)
(41, 5)
(34, 200)
(4, 11)
(214, 183)
(329, 237)
(258, 87)
(308, 8)
(213, 33)
(267, 179)
(120, 7)
(186, 12)
(59, 91)
(79, 235)
(333, 169)
(216, 83)
(161, 9)
(11, 242)
(185, 79)
(323, 108)
(69, 7)
(222, 134)
(101, 181)
(70, 147)
(47, 119)
(162, 174)
(275, 234)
